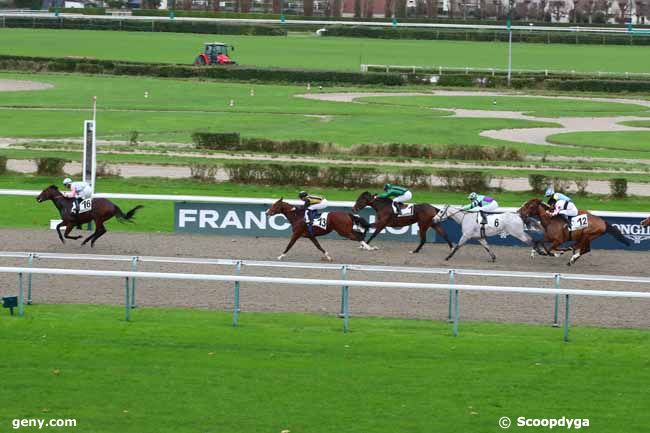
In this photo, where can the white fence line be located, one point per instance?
(263, 201)
(344, 282)
(528, 28)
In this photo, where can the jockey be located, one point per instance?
(78, 191)
(398, 194)
(555, 196)
(482, 204)
(312, 205)
(566, 208)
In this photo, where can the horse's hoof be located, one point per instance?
(281, 257)
(413, 252)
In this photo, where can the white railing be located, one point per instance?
(262, 201)
(440, 70)
(529, 28)
(343, 282)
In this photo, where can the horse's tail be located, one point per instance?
(358, 219)
(616, 233)
(126, 217)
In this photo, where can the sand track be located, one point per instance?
(364, 301)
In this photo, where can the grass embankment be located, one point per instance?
(300, 51)
(179, 370)
(157, 216)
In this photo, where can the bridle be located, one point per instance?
(444, 213)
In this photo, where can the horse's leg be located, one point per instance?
(294, 237)
(315, 242)
(443, 233)
(585, 247)
(379, 226)
(68, 229)
(100, 231)
(483, 242)
(422, 229)
(461, 242)
(58, 231)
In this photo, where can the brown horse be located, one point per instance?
(341, 222)
(556, 231)
(646, 222)
(102, 210)
(423, 215)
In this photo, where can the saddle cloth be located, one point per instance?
(407, 211)
(84, 206)
(321, 221)
(579, 222)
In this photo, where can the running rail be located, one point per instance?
(345, 284)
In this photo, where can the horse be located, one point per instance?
(556, 231)
(423, 215)
(341, 222)
(646, 222)
(102, 210)
(497, 224)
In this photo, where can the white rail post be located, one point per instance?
(345, 300)
(30, 261)
(456, 313)
(452, 281)
(566, 318)
(556, 324)
(127, 302)
(134, 268)
(235, 307)
(20, 295)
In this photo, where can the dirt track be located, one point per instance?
(379, 302)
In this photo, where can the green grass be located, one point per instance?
(638, 141)
(531, 106)
(157, 216)
(181, 370)
(298, 51)
(637, 123)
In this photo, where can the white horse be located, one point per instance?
(497, 224)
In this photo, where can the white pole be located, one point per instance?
(94, 146)
(509, 56)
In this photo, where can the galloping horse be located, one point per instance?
(646, 222)
(423, 215)
(497, 224)
(342, 223)
(102, 210)
(556, 231)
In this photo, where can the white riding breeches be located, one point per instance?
(491, 207)
(571, 210)
(318, 206)
(404, 197)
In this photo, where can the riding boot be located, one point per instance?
(398, 208)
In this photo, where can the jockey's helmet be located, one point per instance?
(549, 191)
(387, 186)
(303, 194)
(472, 196)
(67, 181)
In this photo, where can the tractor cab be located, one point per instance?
(215, 53)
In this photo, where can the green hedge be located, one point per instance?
(240, 73)
(484, 35)
(173, 26)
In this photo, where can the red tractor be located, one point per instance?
(214, 53)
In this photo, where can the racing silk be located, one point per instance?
(393, 191)
(311, 200)
(561, 205)
(76, 189)
(558, 196)
(481, 200)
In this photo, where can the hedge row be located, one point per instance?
(231, 141)
(350, 177)
(241, 73)
(479, 35)
(203, 27)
